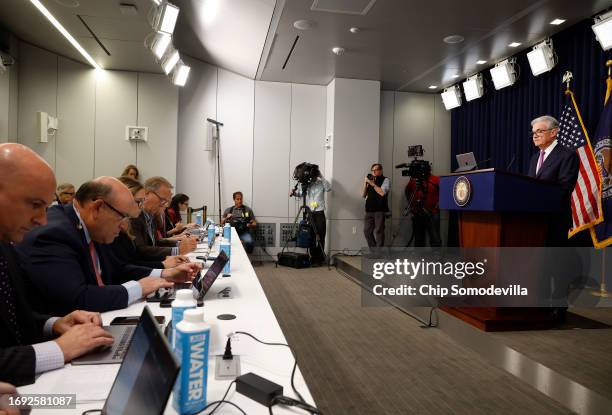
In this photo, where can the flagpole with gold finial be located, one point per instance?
(603, 291)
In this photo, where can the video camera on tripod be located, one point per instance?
(418, 169)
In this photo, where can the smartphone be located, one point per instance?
(133, 320)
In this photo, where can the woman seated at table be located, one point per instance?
(172, 221)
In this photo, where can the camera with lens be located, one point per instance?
(306, 173)
(419, 169)
(370, 176)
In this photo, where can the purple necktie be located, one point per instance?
(7, 295)
(540, 161)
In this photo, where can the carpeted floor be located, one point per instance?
(377, 360)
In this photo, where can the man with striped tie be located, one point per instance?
(555, 163)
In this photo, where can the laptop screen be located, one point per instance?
(203, 284)
(147, 374)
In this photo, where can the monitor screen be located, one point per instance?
(147, 374)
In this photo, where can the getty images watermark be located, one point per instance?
(481, 277)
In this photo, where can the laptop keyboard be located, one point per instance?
(121, 346)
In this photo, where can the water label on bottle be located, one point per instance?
(190, 388)
(227, 248)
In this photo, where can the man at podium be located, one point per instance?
(553, 162)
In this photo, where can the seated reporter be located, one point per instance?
(123, 246)
(146, 227)
(241, 217)
(32, 343)
(173, 219)
(70, 260)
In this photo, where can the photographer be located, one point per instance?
(242, 218)
(375, 190)
(315, 200)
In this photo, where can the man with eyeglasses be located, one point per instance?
(148, 240)
(555, 163)
(375, 190)
(70, 263)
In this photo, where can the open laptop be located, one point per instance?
(147, 374)
(113, 354)
(201, 285)
(466, 162)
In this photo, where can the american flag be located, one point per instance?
(585, 201)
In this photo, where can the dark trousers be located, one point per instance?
(317, 252)
(374, 228)
(426, 224)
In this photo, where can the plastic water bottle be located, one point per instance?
(184, 301)
(227, 232)
(211, 232)
(226, 246)
(192, 341)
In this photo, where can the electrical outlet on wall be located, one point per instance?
(136, 133)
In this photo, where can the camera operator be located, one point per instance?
(375, 190)
(423, 194)
(315, 200)
(242, 218)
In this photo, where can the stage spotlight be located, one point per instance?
(164, 18)
(542, 58)
(503, 74)
(180, 74)
(603, 30)
(170, 60)
(473, 87)
(159, 43)
(451, 97)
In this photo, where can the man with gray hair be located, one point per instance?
(145, 228)
(32, 343)
(72, 264)
(555, 163)
(65, 193)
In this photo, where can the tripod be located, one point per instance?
(307, 217)
(217, 136)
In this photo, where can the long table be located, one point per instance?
(248, 303)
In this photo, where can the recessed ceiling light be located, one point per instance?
(338, 50)
(515, 44)
(557, 22)
(452, 39)
(354, 29)
(304, 24)
(481, 62)
(455, 76)
(433, 86)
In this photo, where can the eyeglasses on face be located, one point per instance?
(538, 133)
(139, 202)
(123, 216)
(162, 201)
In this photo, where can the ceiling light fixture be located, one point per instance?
(433, 86)
(557, 22)
(481, 62)
(455, 76)
(170, 60)
(451, 97)
(603, 30)
(165, 17)
(180, 74)
(542, 58)
(515, 44)
(354, 29)
(64, 32)
(452, 39)
(303, 24)
(504, 74)
(338, 50)
(473, 87)
(159, 45)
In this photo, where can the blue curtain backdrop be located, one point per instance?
(497, 125)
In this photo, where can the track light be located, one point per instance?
(473, 87)
(542, 58)
(603, 30)
(165, 18)
(451, 97)
(159, 45)
(170, 60)
(180, 74)
(503, 74)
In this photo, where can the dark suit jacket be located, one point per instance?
(56, 259)
(145, 245)
(18, 360)
(561, 166)
(125, 250)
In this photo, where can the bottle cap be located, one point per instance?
(194, 315)
(184, 295)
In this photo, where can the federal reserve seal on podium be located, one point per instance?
(462, 191)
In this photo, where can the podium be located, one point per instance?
(500, 209)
